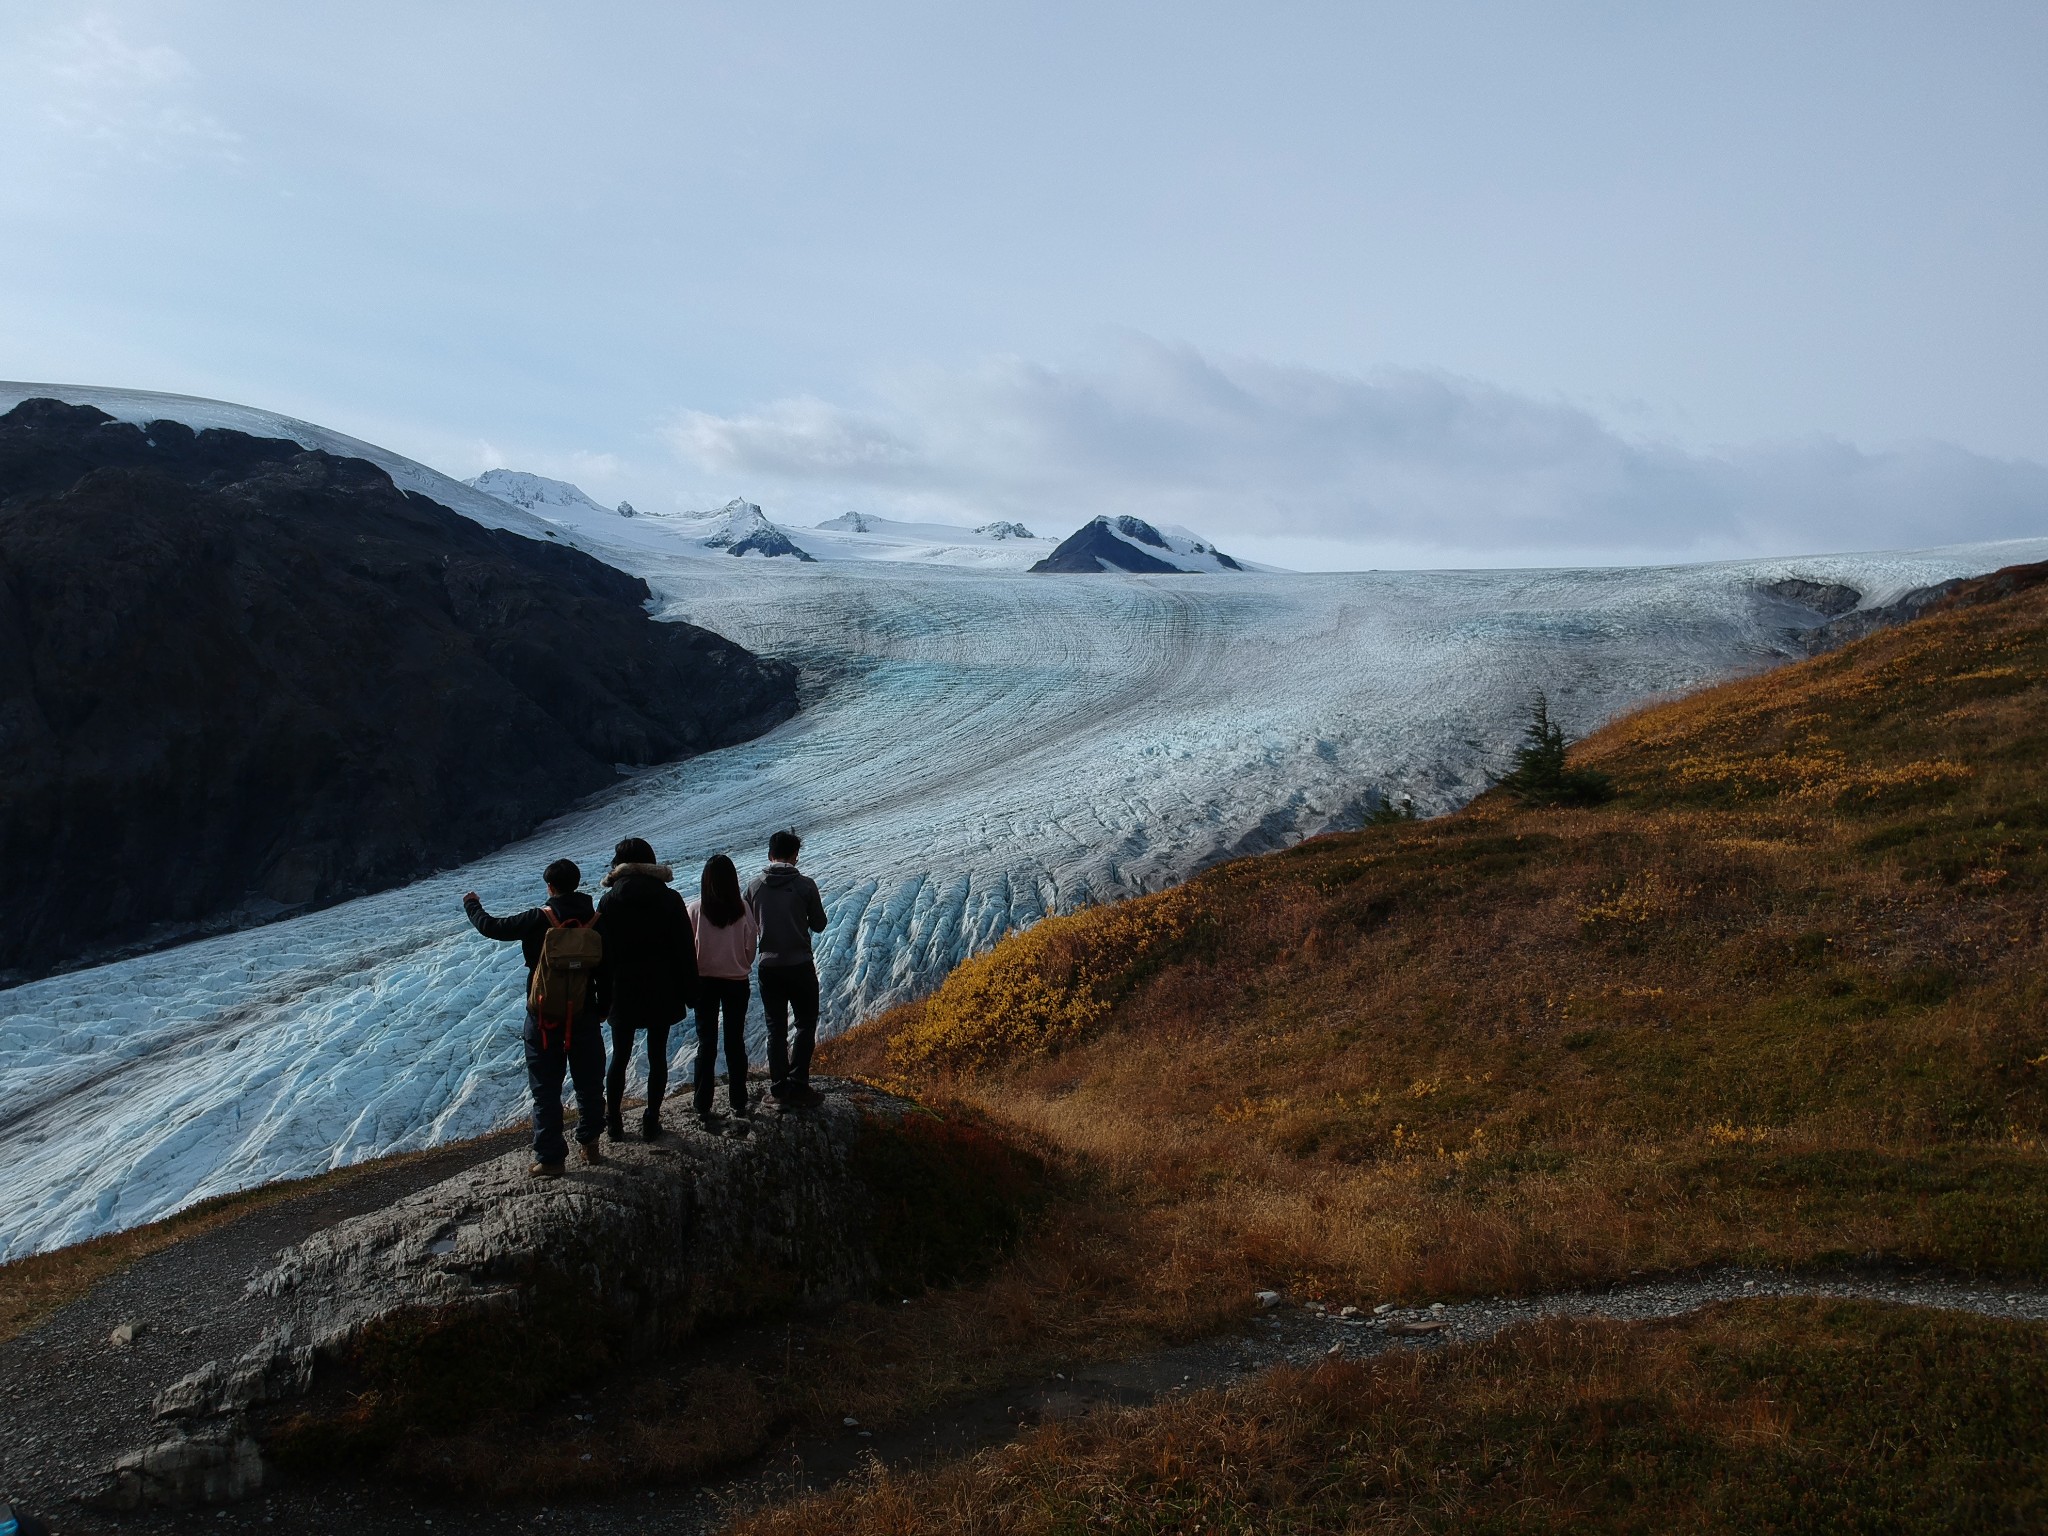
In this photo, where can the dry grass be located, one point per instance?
(1781, 1000)
(1760, 1417)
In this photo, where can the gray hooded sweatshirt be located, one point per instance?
(790, 911)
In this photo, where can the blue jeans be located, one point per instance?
(546, 1062)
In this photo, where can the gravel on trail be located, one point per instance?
(92, 1396)
(77, 1398)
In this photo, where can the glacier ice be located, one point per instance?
(977, 748)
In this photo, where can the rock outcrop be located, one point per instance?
(239, 679)
(637, 1253)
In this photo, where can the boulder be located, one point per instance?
(604, 1264)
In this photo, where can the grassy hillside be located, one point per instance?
(1782, 998)
(1759, 1417)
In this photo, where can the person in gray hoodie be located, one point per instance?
(790, 911)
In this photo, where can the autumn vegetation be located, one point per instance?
(1774, 994)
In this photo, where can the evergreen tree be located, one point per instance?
(1540, 776)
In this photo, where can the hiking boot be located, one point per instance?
(545, 1171)
(592, 1153)
(710, 1120)
(650, 1126)
(615, 1124)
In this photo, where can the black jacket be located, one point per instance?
(531, 926)
(787, 904)
(649, 974)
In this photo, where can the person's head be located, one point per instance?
(719, 892)
(784, 846)
(633, 850)
(562, 876)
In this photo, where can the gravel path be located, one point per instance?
(1284, 1333)
(76, 1399)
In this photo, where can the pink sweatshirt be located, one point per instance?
(725, 953)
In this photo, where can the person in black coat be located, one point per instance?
(552, 1054)
(649, 973)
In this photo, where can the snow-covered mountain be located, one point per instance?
(1132, 544)
(740, 528)
(552, 499)
(998, 546)
(984, 746)
(142, 406)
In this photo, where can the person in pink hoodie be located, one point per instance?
(728, 933)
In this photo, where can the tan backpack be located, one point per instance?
(560, 989)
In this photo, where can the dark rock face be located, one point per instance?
(1818, 616)
(1831, 598)
(1097, 547)
(242, 679)
(1094, 548)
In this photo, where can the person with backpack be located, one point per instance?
(728, 933)
(564, 1011)
(650, 973)
(790, 911)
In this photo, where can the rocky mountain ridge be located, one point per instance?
(1132, 544)
(242, 679)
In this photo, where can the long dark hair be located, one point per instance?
(720, 892)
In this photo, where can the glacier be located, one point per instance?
(978, 747)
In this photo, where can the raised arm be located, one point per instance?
(508, 929)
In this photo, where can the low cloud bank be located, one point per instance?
(1317, 468)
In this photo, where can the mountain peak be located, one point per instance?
(1132, 544)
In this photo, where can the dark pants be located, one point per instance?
(547, 1059)
(715, 996)
(787, 989)
(622, 1058)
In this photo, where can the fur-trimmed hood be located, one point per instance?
(659, 872)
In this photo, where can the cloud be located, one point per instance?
(129, 99)
(1399, 463)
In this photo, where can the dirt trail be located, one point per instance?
(81, 1380)
(76, 1400)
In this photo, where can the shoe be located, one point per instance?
(545, 1171)
(592, 1152)
(650, 1126)
(710, 1120)
(615, 1125)
(804, 1097)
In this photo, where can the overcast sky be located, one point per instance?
(1334, 285)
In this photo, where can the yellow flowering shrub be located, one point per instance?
(1043, 986)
